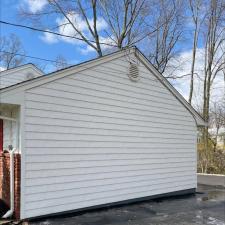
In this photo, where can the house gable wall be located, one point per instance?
(96, 137)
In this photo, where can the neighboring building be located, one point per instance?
(18, 74)
(91, 135)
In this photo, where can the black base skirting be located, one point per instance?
(114, 204)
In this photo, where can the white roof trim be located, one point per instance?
(89, 64)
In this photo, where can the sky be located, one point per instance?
(35, 43)
(49, 46)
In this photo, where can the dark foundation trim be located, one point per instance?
(116, 204)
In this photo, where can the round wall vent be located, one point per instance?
(133, 72)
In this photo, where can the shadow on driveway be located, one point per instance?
(207, 206)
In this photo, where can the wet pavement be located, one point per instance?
(207, 206)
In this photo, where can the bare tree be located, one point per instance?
(60, 63)
(162, 44)
(98, 23)
(214, 57)
(217, 119)
(126, 20)
(75, 15)
(10, 47)
(195, 8)
(214, 49)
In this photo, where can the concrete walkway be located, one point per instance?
(206, 207)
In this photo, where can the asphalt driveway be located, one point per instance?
(206, 207)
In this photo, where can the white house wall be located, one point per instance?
(96, 137)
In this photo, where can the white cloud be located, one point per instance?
(80, 24)
(35, 5)
(87, 49)
(67, 29)
(84, 50)
(49, 38)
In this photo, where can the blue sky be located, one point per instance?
(33, 44)
(48, 46)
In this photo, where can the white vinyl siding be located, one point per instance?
(97, 137)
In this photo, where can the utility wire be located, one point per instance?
(38, 58)
(28, 56)
(34, 57)
(51, 32)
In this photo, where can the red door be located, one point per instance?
(1, 135)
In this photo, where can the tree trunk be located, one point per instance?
(193, 63)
